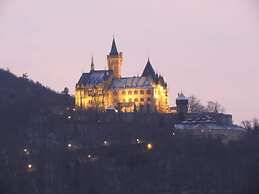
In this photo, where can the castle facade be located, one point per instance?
(105, 90)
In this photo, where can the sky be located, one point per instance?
(206, 48)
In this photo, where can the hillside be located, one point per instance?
(46, 148)
(21, 99)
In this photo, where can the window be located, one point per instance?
(141, 91)
(148, 91)
(90, 92)
(123, 92)
(142, 99)
(136, 92)
(130, 93)
(136, 100)
(148, 99)
(115, 93)
(130, 100)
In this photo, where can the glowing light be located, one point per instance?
(106, 143)
(30, 166)
(138, 141)
(74, 109)
(173, 134)
(26, 151)
(69, 145)
(69, 117)
(89, 156)
(149, 146)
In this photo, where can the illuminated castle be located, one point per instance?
(104, 90)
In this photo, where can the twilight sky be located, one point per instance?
(209, 48)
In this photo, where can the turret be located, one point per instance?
(114, 60)
(149, 71)
(182, 104)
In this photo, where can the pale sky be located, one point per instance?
(209, 48)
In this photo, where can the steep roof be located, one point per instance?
(149, 71)
(131, 82)
(94, 77)
(114, 51)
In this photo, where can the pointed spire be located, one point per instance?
(148, 61)
(114, 51)
(149, 71)
(92, 64)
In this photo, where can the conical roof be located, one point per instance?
(114, 51)
(149, 71)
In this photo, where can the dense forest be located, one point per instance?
(44, 150)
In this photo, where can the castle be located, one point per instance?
(105, 90)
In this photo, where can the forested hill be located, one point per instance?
(46, 150)
(22, 98)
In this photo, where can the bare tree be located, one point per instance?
(214, 107)
(25, 76)
(195, 105)
(250, 124)
(246, 124)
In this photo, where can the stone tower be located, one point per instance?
(182, 104)
(115, 60)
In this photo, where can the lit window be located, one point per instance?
(141, 91)
(136, 92)
(123, 92)
(148, 99)
(136, 99)
(130, 93)
(142, 99)
(148, 91)
(149, 146)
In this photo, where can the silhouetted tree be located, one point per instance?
(65, 91)
(195, 105)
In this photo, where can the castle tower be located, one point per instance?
(182, 104)
(115, 60)
(149, 71)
